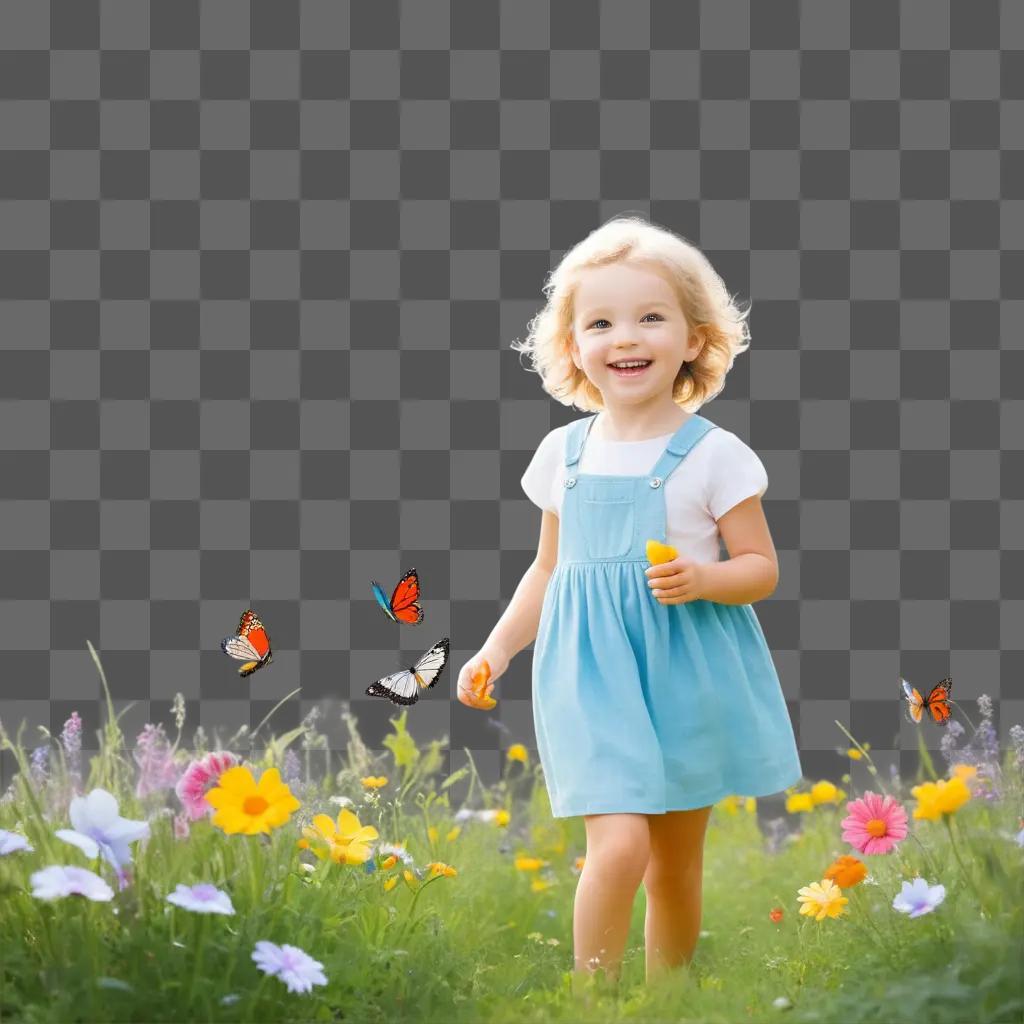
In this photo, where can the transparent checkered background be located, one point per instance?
(262, 264)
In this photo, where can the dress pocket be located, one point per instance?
(608, 522)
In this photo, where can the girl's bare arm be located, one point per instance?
(517, 626)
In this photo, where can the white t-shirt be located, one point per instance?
(718, 472)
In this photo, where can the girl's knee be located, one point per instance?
(674, 882)
(621, 847)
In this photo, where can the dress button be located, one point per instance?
(656, 481)
(570, 481)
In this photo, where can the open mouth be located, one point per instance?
(630, 371)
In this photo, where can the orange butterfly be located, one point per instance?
(249, 644)
(937, 701)
(403, 606)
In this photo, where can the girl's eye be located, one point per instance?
(603, 321)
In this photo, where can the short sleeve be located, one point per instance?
(540, 473)
(736, 474)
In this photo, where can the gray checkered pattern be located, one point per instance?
(262, 264)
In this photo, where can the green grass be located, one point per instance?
(475, 947)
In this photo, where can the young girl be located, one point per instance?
(654, 691)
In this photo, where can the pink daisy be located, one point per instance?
(200, 777)
(874, 824)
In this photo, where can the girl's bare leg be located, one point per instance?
(618, 849)
(673, 884)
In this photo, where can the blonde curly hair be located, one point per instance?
(707, 305)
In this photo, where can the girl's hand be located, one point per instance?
(676, 582)
(467, 690)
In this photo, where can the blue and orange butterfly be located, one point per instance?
(403, 606)
(250, 644)
(937, 701)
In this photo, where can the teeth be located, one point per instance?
(634, 362)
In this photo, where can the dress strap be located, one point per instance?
(577, 438)
(679, 446)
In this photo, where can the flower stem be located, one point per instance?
(963, 867)
(924, 849)
(412, 908)
(861, 903)
(200, 939)
(867, 757)
(254, 881)
(959, 707)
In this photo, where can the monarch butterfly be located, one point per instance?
(403, 606)
(401, 687)
(937, 701)
(249, 644)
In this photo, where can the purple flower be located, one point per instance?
(153, 754)
(1017, 739)
(201, 899)
(918, 897)
(39, 769)
(11, 842)
(292, 773)
(55, 882)
(299, 971)
(71, 740)
(100, 829)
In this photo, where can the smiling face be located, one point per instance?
(628, 312)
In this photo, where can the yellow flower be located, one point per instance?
(453, 833)
(438, 867)
(822, 899)
(539, 885)
(824, 792)
(390, 883)
(389, 862)
(529, 863)
(501, 818)
(854, 754)
(731, 804)
(517, 752)
(246, 806)
(965, 771)
(346, 842)
(799, 802)
(410, 878)
(941, 797)
(374, 781)
(432, 834)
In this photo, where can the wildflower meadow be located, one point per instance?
(247, 881)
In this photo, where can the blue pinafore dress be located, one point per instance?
(641, 707)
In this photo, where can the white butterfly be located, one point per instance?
(401, 687)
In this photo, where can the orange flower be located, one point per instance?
(846, 871)
(775, 914)
(438, 867)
